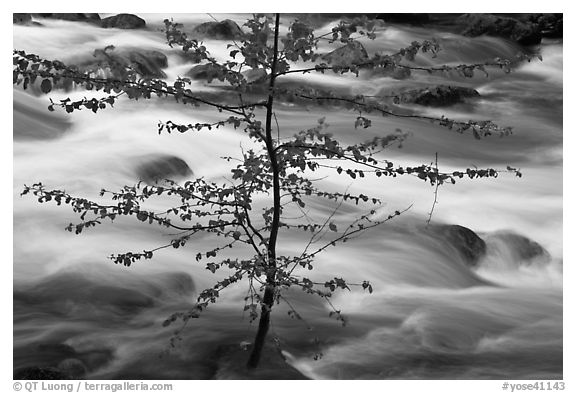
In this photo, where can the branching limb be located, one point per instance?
(435, 193)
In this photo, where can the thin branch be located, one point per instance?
(362, 229)
(435, 193)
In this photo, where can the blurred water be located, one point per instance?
(430, 315)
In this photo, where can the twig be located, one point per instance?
(435, 194)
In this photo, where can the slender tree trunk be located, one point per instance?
(263, 326)
(268, 300)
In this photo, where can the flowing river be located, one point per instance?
(430, 316)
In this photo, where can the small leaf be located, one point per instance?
(46, 86)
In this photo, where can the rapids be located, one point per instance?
(430, 316)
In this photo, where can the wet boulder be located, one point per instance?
(231, 360)
(56, 360)
(391, 71)
(163, 167)
(125, 299)
(224, 30)
(72, 367)
(550, 25)
(351, 53)
(51, 352)
(522, 250)
(72, 17)
(123, 21)
(147, 63)
(21, 19)
(65, 292)
(524, 33)
(173, 284)
(468, 244)
(439, 96)
(40, 373)
(206, 72)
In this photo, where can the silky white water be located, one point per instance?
(430, 316)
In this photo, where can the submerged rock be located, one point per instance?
(468, 244)
(351, 53)
(73, 367)
(52, 349)
(440, 95)
(206, 72)
(123, 21)
(56, 360)
(524, 33)
(163, 167)
(63, 292)
(231, 364)
(147, 63)
(224, 30)
(40, 373)
(176, 283)
(522, 250)
(128, 300)
(393, 72)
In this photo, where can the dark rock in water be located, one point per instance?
(163, 167)
(147, 63)
(231, 360)
(56, 350)
(524, 33)
(40, 373)
(59, 359)
(123, 298)
(21, 19)
(411, 19)
(96, 358)
(523, 250)
(550, 25)
(179, 283)
(65, 291)
(393, 72)
(206, 72)
(73, 367)
(440, 95)
(224, 30)
(123, 21)
(470, 246)
(73, 17)
(351, 53)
